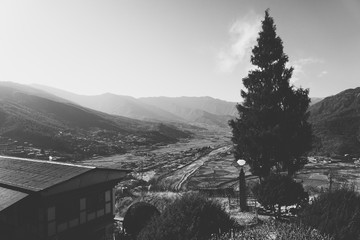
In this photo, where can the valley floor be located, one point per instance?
(206, 161)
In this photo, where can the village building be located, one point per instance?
(46, 200)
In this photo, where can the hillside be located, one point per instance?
(199, 110)
(208, 104)
(336, 123)
(204, 110)
(114, 104)
(46, 121)
(315, 100)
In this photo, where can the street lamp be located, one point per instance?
(242, 186)
(241, 162)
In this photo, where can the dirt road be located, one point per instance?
(179, 177)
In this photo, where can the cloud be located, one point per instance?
(300, 67)
(243, 33)
(323, 73)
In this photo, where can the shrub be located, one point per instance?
(191, 217)
(159, 199)
(122, 205)
(277, 230)
(137, 216)
(280, 190)
(336, 213)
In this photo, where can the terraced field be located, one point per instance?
(316, 176)
(175, 164)
(180, 178)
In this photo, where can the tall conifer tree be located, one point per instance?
(271, 132)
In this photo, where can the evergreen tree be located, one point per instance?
(271, 131)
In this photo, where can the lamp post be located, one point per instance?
(242, 186)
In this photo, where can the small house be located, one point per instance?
(46, 200)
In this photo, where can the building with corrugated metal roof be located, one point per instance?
(46, 200)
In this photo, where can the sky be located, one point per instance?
(145, 48)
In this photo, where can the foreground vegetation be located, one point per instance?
(336, 213)
(193, 216)
(278, 191)
(276, 230)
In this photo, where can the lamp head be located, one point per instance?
(241, 162)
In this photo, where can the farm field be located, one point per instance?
(171, 164)
(219, 170)
(316, 176)
(206, 161)
(182, 178)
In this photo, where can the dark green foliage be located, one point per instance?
(336, 213)
(280, 190)
(336, 123)
(280, 230)
(272, 128)
(192, 217)
(137, 216)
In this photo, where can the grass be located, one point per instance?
(271, 230)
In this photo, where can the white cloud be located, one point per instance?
(300, 67)
(323, 73)
(243, 34)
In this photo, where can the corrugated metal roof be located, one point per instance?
(35, 175)
(8, 197)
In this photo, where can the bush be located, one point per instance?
(280, 190)
(336, 213)
(277, 230)
(137, 216)
(159, 199)
(191, 217)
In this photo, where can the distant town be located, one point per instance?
(99, 143)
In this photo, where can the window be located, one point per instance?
(51, 214)
(95, 201)
(108, 202)
(51, 228)
(82, 210)
(67, 209)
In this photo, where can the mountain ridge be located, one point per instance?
(30, 115)
(196, 110)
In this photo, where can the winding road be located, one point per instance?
(180, 176)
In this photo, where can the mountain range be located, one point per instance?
(38, 113)
(196, 110)
(31, 115)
